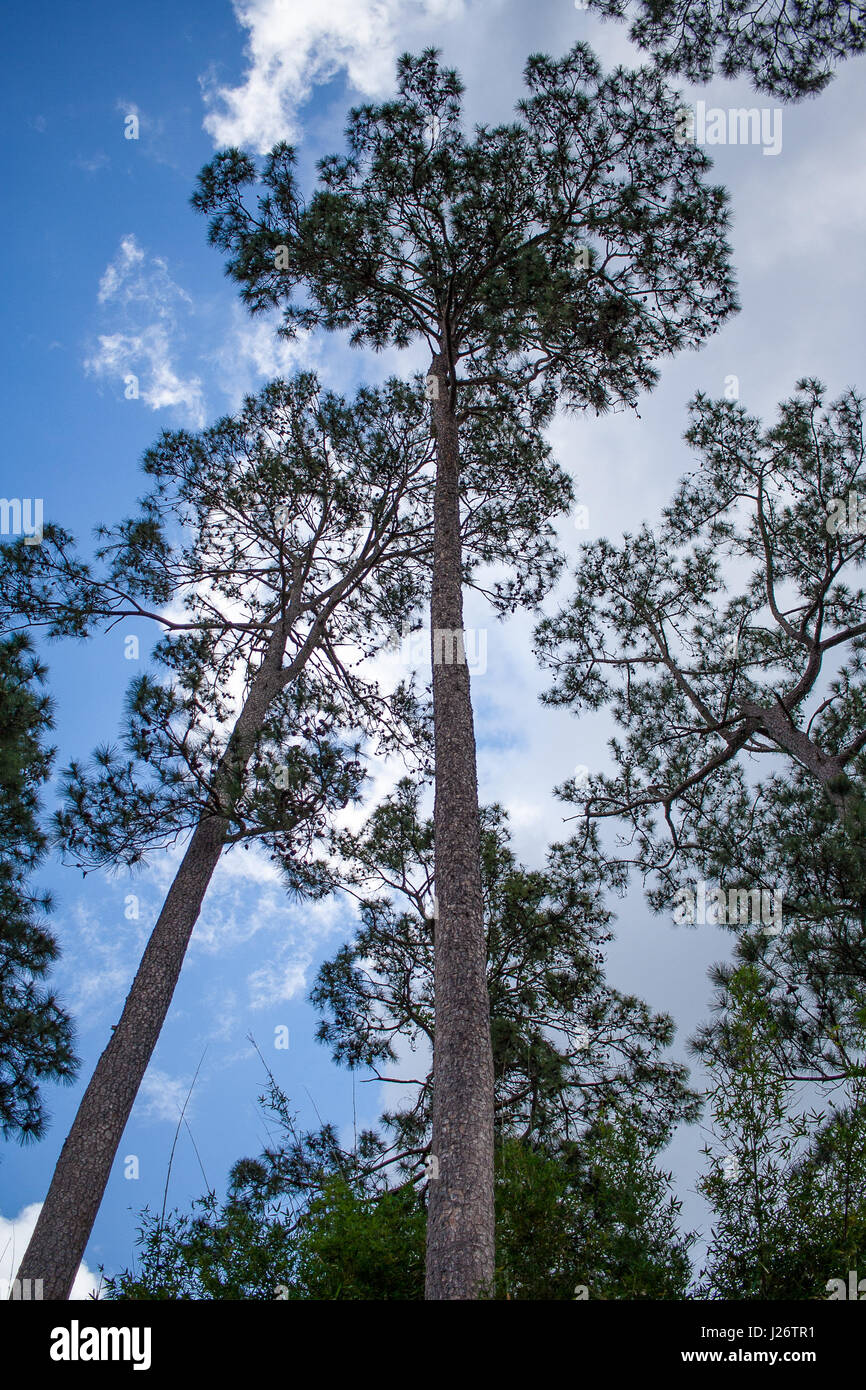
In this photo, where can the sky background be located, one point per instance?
(108, 273)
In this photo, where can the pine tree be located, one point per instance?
(788, 49)
(554, 258)
(36, 1038)
(255, 552)
(596, 1221)
(783, 836)
(585, 1099)
(599, 1224)
(590, 1215)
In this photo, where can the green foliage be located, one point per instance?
(697, 672)
(709, 678)
(549, 261)
(787, 47)
(215, 1252)
(300, 484)
(304, 517)
(284, 535)
(565, 1043)
(304, 1220)
(786, 833)
(598, 1221)
(362, 1249)
(345, 1246)
(130, 801)
(307, 1220)
(786, 1184)
(36, 1040)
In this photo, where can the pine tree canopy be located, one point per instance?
(568, 249)
(302, 511)
(788, 48)
(556, 258)
(784, 1177)
(782, 834)
(342, 491)
(308, 1220)
(730, 641)
(711, 636)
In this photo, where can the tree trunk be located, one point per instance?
(460, 1225)
(62, 1231)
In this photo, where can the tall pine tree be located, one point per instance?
(568, 1048)
(555, 258)
(254, 552)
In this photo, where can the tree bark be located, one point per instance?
(828, 769)
(62, 1231)
(460, 1225)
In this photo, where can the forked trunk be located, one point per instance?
(62, 1231)
(460, 1224)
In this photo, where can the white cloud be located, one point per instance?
(310, 924)
(14, 1238)
(277, 981)
(133, 276)
(293, 46)
(138, 289)
(163, 1096)
(251, 354)
(97, 976)
(232, 916)
(147, 356)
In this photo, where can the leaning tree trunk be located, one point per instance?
(62, 1231)
(460, 1225)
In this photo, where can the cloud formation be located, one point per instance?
(137, 289)
(293, 47)
(162, 1096)
(250, 352)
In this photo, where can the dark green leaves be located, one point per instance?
(36, 1042)
(788, 48)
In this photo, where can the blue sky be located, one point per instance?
(109, 274)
